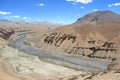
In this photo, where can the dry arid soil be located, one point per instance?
(94, 40)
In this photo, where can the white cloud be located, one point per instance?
(74, 3)
(81, 1)
(82, 7)
(40, 4)
(115, 4)
(109, 5)
(95, 10)
(16, 16)
(4, 13)
(70, 0)
(26, 18)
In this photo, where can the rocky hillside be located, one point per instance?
(6, 33)
(99, 17)
(96, 35)
(8, 28)
(99, 40)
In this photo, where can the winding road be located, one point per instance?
(84, 63)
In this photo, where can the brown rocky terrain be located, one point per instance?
(8, 31)
(99, 17)
(96, 35)
(99, 40)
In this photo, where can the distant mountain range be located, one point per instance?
(19, 23)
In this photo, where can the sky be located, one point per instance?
(57, 11)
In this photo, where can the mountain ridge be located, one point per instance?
(99, 40)
(99, 17)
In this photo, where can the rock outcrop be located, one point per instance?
(6, 33)
(99, 40)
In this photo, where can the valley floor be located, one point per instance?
(78, 62)
(21, 61)
(23, 64)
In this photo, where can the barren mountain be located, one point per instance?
(99, 17)
(96, 35)
(99, 40)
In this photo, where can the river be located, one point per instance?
(84, 63)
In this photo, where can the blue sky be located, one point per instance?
(58, 11)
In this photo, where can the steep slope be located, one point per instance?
(99, 17)
(99, 38)
(8, 28)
